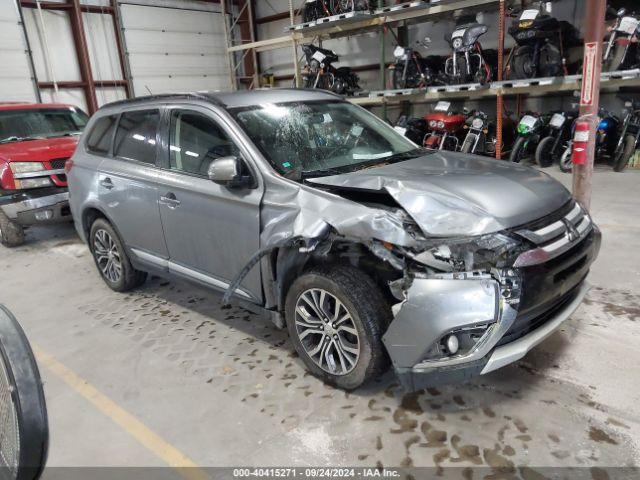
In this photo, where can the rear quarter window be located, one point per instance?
(136, 136)
(99, 139)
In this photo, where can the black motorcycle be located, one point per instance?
(415, 129)
(539, 39)
(559, 132)
(622, 47)
(320, 73)
(466, 63)
(629, 136)
(315, 9)
(412, 70)
(482, 137)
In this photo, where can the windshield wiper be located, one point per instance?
(19, 139)
(418, 152)
(321, 172)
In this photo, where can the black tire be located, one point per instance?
(369, 312)
(11, 234)
(522, 63)
(518, 150)
(467, 145)
(564, 162)
(129, 277)
(398, 82)
(622, 160)
(544, 155)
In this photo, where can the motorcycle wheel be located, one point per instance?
(565, 163)
(522, 63)
(467, 145)
(550, 61)
(622, 159)
(615, 61)
(518, 151)
(544, 154)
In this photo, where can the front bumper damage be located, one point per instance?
(38, 206)
(504, 327)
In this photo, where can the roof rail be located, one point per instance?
(164, 96)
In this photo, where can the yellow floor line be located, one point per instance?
(186, 467)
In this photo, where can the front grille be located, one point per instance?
(58, 163)
(525, 324)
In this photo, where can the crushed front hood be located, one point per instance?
(449, 193)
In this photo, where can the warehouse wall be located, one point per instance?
(15, 74)
(172, 45)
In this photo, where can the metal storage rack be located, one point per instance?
(410, 13)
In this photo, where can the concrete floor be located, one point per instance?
(224, 388)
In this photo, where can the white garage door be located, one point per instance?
(16, 83)
(174, 50)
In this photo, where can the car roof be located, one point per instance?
(32, 106)
(246, 98)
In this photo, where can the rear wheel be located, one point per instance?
(622, 159)
(519, 150)
(111, 258)
(544, 152)
(522, 63)
(11, 234)
(336, 317)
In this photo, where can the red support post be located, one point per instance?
(82, 51)
(594, 24)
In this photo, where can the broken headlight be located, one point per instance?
(476, 253)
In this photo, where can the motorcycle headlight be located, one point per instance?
(26, 167)
(477, 123)
(457, 43)
(440, 124)
(433, 124)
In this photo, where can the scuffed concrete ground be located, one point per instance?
(572, 402)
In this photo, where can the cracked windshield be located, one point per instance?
(323, 138)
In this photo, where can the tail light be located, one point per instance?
(68, 165)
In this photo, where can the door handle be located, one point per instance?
(106, 183)
(170, 200)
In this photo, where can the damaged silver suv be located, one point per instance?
(366, 247)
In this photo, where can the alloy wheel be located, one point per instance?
(107, 256)
(327, 331)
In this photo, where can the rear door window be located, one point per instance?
(99, 140)
(136, 136)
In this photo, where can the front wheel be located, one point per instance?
(622, 159)
(11, 234)
(519, 150)
(469, 142)
(336, 317)
(111, 258)
(522, 63)
(565, 160)
(544, 152)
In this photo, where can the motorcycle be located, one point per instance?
(622, 47)
(410, 69)
(530, 130)
(481, 134)
(606, 141)
(316, 9)
(629, 136)
(467, 63)
(560, 131)
(539, 43)
(415, 129)
(444, 126)
(320, 73)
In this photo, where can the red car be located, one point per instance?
(35, 142)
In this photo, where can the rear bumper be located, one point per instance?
(41, 206)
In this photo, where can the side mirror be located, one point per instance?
(227, 171)
(622, 12)
(23, 420)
